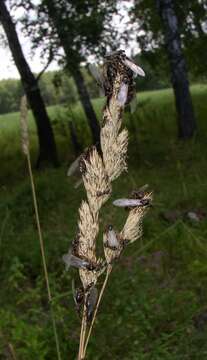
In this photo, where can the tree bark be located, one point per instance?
(73, 66)
(74, 138)
(47, 147)
(86, 103)
(179, 77)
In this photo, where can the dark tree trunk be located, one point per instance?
(179, 77)
(74, 139)
(47, 147)
(73, 67)
(86, 103)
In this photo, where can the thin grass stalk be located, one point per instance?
(11, 349)
(25, 149)
(81, 339)
(39, 227)
(109, 269)
(83, 334)
(43, 255)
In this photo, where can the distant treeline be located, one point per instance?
(56, 88)
(59, 88)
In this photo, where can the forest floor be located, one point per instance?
(155, 306)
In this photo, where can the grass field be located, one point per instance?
(155, 306)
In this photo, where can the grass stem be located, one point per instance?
(109, 269)
(11, 349)
(43, 255)
(82, 333)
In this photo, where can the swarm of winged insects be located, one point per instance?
(98, 171)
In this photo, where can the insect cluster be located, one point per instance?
(115, 63)
(99, 169)
(114, 242)
(91, 299)
(137, 198)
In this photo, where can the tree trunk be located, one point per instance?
(47, 147)
(179, 77)
(86, 103)
(74, 138)
(73, 66)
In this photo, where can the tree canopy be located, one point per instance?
(192, 20)
(84, 25)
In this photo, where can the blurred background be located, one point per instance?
(155, 304)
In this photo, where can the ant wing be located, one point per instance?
(74, 292)
(66, 259)
(97, 76)
(128, 202)
(133, 104)
(112, 239)
(137, 70)
(74, 167)
(144, 187)
(78, 183)
(72, 260)
(74, 170)
(91, 302)
(122, 95)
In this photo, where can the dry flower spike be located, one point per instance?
(98, 172)
(24, 125)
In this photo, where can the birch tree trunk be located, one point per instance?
(179, 77)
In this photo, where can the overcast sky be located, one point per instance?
(8, 69)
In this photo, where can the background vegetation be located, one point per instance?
(159, 292)
(155, 306)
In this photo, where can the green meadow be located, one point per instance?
(155, 306)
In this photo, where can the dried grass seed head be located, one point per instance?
(96, 181)
(133, 227)
(115, 156)
(90, 277)
(24, 125)
(86, 245)
(88, 231)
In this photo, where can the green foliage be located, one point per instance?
(156, 75)
(80, 27)
(159, 287)
(56, 88)
(192, 17)
(10, 94)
